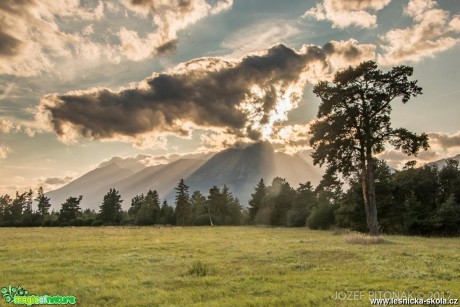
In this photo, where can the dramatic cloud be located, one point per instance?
(170, 17)
(345, 13)
(345, 53)
(291, 139)
(432, 33)
(31, 38)
(36, 36)
(245, 97)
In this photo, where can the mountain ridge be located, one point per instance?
(240, 168)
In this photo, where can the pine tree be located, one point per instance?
(304, 202)
(256, 202)
(167, 214)
(200, 212)
(110, 209)
(149, 211)
(279, 199)
(354, 125)
(70, 209)
(214, 202)
(44, 204)
(136, 204)
(182, 203)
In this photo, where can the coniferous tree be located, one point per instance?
(214, 203)
(449, 180)
(70, 209)
(149, 212)
(22, 202)
(182, 199)
(279, 199)
(446, 220)
(110, 209)
(304, 202)
(27, 213)
(232, 208)
(5, 210)
(167, 215)
(200, 213)
(136, 204)
(43, 203)
(354, 124)
(256, 202)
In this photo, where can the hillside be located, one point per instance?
(240, 168)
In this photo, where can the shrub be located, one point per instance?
(55, 223)
(88, 222)
(46, 223)
(321, 217)
(97, 223)
(198, 268)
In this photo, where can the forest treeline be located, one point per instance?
(415, 201)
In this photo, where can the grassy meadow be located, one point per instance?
(220, 266)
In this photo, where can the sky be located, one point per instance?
(82, 81)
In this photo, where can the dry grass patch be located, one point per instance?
(363, 239)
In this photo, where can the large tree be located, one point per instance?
(110, 209)
(149, 211)
(256, 203)
(182, 199)
(43, 202)
(353, 124)
(70, 209)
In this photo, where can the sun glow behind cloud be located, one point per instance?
(82, 52)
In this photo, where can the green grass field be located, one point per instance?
(239, 266)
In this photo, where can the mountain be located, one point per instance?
(441, 163)
(162, 178)
(240, 168)
(89, 185)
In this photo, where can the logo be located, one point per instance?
(20, 296)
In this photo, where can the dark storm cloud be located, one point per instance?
(206, 92)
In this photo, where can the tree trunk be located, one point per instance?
(368, 188)
(209, 214)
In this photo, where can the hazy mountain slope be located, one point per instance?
(132, 163)
(89, 185)
(295, 169)
(441, 163)
(242, 168)
(234, 167)
(163, 178)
